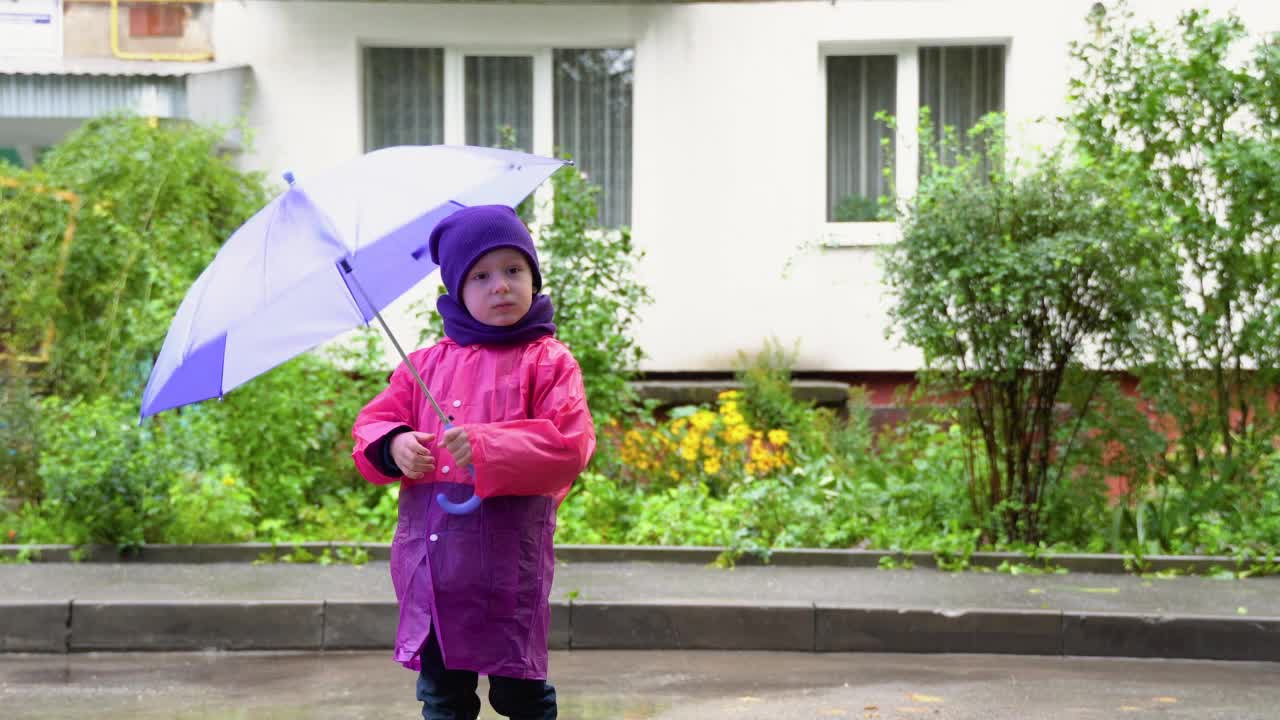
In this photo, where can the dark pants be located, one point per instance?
(451, 694)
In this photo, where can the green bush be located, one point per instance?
(158, 200)
(1185, 123)
(109, 476)
(19, 439)
(288, 432)
(768, 400)
(213, 506)
(1008, 278)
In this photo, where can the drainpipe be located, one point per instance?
(164, 57)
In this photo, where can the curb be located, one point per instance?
(64, 626)
(1106, 563)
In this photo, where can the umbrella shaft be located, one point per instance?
(444, 419)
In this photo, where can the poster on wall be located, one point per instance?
(30, 28)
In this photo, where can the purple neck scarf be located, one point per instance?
(465, 330)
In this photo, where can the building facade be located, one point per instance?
(738, 140)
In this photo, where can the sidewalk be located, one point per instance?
(71, 607)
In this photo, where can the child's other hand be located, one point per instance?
(411, 453)
(455, 440)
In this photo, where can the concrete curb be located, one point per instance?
(254, 552)
(68, 626)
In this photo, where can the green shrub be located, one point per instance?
(1008, 278)
(213, 506)
(19, 439)
(1185, 123)
(110, 476)
(288, 432)
(158, 200)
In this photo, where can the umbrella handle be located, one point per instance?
(466, 506)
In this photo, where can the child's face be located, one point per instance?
(498, 289)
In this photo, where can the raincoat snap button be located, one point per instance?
(457, 403)
(445, 469)
(434, 537)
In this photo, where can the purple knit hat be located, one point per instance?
(459, 240)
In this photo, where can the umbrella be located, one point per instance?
(324, 257)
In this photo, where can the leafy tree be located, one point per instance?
(1190, 135)
(1008, 277)
(158, 200)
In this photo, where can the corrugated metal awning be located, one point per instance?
(84, 88)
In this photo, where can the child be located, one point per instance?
(474, 588)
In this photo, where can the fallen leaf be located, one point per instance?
(833, 712)
(1165, 699)
(925, 698)
(1130, 708)
(1036, 591)
(1107, 590)
(749, 698)
(913, 710)
(872, 708)
(1242, 610)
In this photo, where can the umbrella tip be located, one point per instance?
(288, 176)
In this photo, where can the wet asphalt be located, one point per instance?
(636, 685)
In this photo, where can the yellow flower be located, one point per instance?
(679, 424)
(675, 474)
(703, 420)
(228, 480)
(729, 395)
(737, 434)
(779, 437)
(711, 466)
(153, 122)
(689, 453)
(728, 408)
(734, 419)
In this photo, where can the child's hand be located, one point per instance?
(411, 453)
(455, 440)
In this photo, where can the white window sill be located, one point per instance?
(858, 234)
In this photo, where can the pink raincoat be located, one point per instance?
(483, 579)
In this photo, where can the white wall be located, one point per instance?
(729, 166)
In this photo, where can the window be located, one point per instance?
(961, 84)
(593, 122)
(575, 101)
(858, 87)
(499, 100)
(958, 83)
(404, 97)
(157, 20)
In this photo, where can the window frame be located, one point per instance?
(906, 146)
(454, 97)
